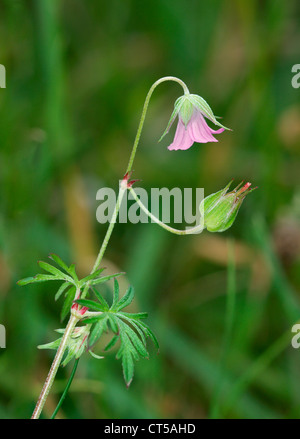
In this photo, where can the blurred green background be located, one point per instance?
(221, 305)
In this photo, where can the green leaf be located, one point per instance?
(60, 331)
(116, 293)
(141, 331)
(125, 300)
(61, 289)
(99, 328)
(70, 294)
(137, 343)
(89, 304)
(91, 320)
(128, 367)
(26, 281)
(91, 276)
(112, 342)
(72, 272)
(104, 304)
(100, 280)
(70, 354)
(52, 345)
(46, 277)
(59, 261)
(98, 357)
(149, 333)
(52, 270)
(136, 316)
(113, 323)
(37, 278)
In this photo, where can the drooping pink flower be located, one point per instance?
(196, 130)
(192, 126)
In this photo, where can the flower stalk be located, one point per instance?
(189, 231)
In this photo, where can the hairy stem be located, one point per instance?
(54, 367)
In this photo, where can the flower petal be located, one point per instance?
(199, 130)
(182, 139)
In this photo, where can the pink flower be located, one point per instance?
(196, 130)
(192, 126)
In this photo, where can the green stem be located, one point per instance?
(71, 325)
(110, 229)
(66, 389)
(191, 231)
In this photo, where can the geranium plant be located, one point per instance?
(90, 315)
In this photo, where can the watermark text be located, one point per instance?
(2, 76)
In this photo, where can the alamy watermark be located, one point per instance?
(180, 206)
(295, 342)
(2, 76)
(296, 77)
(2, 337)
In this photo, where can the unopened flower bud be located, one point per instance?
(78, 312)
(219, 210)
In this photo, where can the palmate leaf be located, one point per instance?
(55, 273)
(68, 275)
(128, 329)
(133, 344)
(69, 269)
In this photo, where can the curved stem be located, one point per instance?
(54, 367)
(66, 389)
(145, 108)
(72, 322)
(191, 231)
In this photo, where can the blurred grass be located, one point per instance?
(77, 76)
